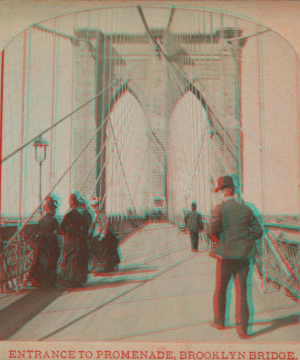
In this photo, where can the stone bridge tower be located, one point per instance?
(209, 65)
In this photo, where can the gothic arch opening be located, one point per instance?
(58, 78)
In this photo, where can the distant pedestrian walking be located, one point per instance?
(234, 229)
(193, 221)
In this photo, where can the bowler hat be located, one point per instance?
(224, 182)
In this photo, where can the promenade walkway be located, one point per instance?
(163, 292)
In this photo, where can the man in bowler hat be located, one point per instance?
(234, 229)
(193, 221)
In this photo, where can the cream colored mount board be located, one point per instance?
(188, 103)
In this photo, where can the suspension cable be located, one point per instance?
(62, 119)
(121, 164)
(107, 157)
(184, 126)
(201, 142)
(229, 171)
(142, 170)
(53, 187)
(147, 116)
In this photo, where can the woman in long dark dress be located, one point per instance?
(105, 243)
(44, 269)
(75, 229)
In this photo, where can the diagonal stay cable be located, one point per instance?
(229, 171)
(97, 157)
(53, 187)
(98, 178)
(94, 162)
(146, 112)
(144, 282)
(145, 24)
(171, 16)
(60, 121)
(120, 161)
(210, 105)
(179, 86)
(212, 109)
(201, 143)
(142, 169)
(103, 166)
(13, 238)
(106, 160)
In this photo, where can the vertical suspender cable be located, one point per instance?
(54, 187)
(56, 100)
(87, 58)
(124, 178)
(178, 114)
(72, 107)
(22, 124)
(196, 107)
(96, 83)
(298, 119)
(27, 119)
(107, 99)
(194, 118)
(53, 105)
(110, 148)
(189, 119)
(121, 115)
(240, 137)
(114, 163)
(103, 131)
(180, 92)
(211, 161)
(1, 125)
(262, 137)
(224, 86)
(187, 112)
(262, 120)
(74, 103)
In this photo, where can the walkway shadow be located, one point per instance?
(126, 270)
(108, 282)
(292, 319)
(16, 315)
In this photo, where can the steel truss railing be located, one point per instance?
(17, 254)
(276, 260)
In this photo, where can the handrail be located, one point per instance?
(269, 225)
(283, 226)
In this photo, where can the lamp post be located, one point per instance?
(40, 145)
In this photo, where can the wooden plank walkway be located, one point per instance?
(163, 292)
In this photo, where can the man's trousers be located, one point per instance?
(226, 269)
(194, 239)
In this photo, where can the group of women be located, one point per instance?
(87, 241)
